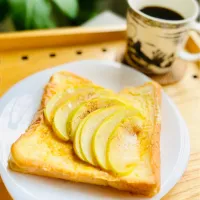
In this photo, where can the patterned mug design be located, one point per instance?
(158, 58)
(152, 45)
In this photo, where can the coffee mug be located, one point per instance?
(154, 43)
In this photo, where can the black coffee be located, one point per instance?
(161, 13)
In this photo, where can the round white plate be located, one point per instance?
(19, 104)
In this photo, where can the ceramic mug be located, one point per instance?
(152, 43)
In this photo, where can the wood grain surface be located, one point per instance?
(18, 64)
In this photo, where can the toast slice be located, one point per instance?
(148, 98)
(39, 152)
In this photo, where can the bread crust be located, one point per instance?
(58, 160)
(155, 149)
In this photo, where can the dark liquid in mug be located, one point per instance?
(161, 13)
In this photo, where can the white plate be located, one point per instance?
(19, 104)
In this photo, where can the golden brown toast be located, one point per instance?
(39, 152)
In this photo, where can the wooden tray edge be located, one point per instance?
(60, 37)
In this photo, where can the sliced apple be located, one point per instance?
(94, 119)
(100, 137)
(87, 107)
(123, 146)
(76, 143)
(137, 101)
(60, 97)
(62, 113)
(52, 102)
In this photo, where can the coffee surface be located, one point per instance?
(161, 13)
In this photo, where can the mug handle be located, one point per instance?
(190, 56)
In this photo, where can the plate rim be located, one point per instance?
(112, 64)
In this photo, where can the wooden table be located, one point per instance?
(185, 94)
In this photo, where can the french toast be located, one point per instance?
(38, 151)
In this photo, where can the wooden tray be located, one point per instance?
(25, 53)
